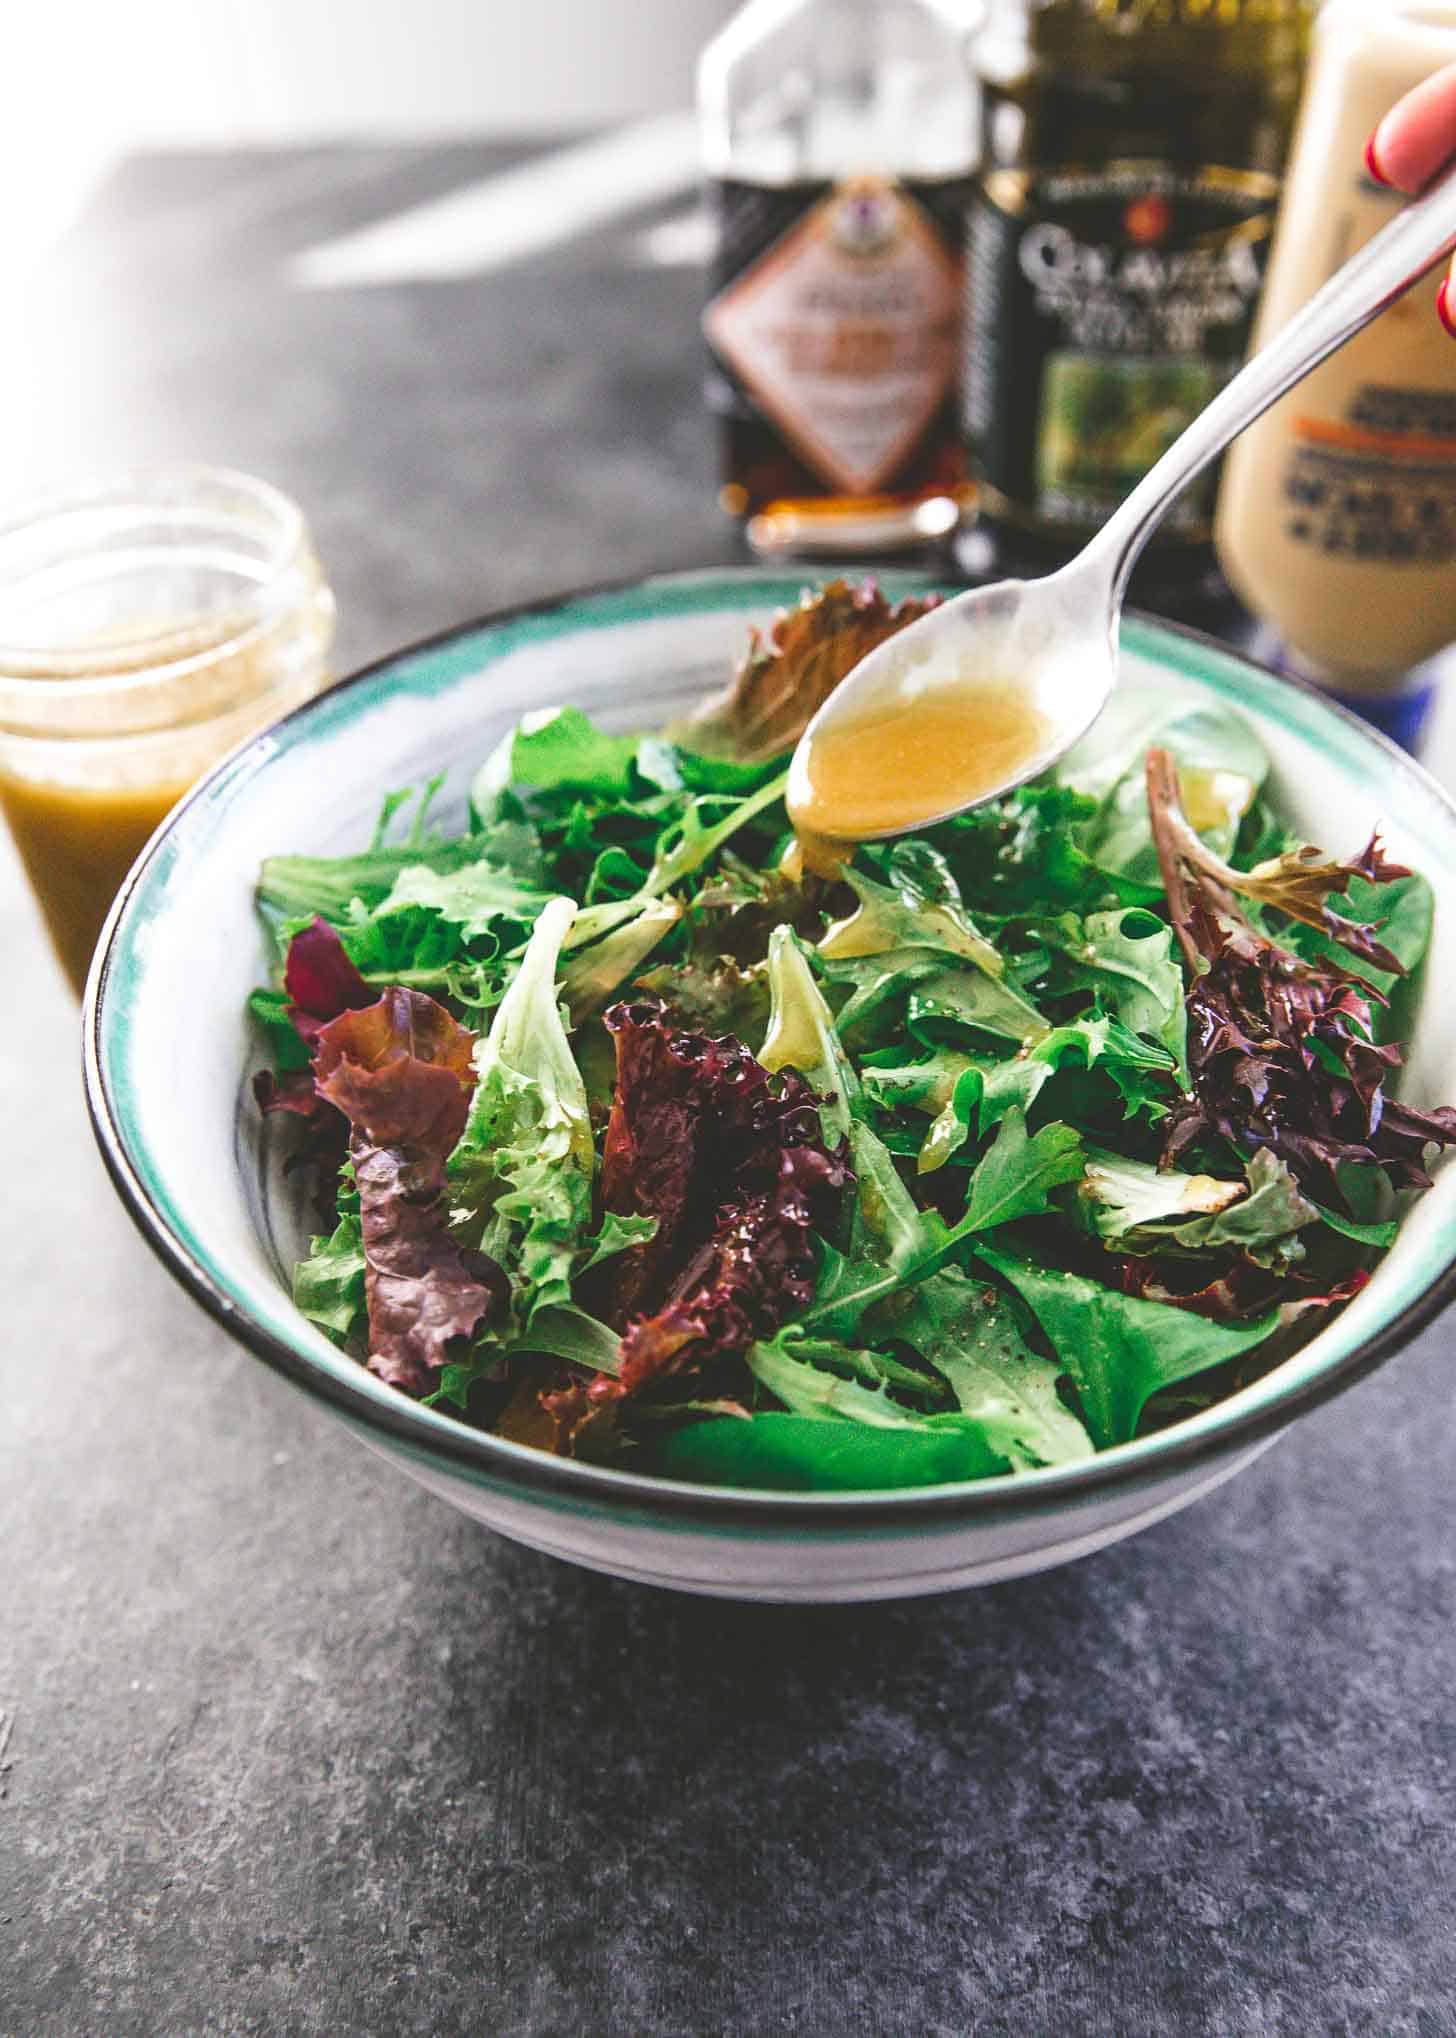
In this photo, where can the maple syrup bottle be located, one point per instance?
(840, 139)
(1121, 227)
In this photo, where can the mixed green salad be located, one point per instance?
(995, 1147)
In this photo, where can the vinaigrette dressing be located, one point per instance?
(77, 843)
(900, 767)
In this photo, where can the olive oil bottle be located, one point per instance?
(1117, 246)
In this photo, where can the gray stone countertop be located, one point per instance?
(288, 1746)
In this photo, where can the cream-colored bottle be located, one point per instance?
(1337, 518)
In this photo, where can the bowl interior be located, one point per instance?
(170, 1054)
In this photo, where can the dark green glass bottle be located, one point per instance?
(1117, 247)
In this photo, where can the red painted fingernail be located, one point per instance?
(1445, 307)
(1370, 161)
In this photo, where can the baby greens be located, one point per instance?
(1007, 1144)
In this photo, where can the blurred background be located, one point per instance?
(91, 83)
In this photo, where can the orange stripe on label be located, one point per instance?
(1356, 439)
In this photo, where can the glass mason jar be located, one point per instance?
(148, 624)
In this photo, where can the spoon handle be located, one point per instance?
(1369, 283)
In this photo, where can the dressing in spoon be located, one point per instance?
(991, 688)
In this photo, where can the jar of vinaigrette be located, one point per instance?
(147, 625)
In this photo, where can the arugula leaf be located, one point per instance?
(1017, 1174)
(1220, 759)
(926, 1085)
(920, 908)
(986, 1090)
(593, 974)
(1008, 1414)
(892, 1243)
(808, 1376)
(970, 1333)
(563, 1331)
(914, 987)
(688, 842)
(1382, 1235)
(1129, 959)
(1020, 855)
(1118, 1349)
(888, 1240)
(521, 1174)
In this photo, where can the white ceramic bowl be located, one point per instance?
(169, 1057)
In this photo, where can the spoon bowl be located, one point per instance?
(1047, 648)
(927, 725)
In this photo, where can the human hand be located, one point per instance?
(1416, 140)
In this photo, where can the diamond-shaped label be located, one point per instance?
(844, 332)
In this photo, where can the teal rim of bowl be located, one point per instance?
(272, 1328)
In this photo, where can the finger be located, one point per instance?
(1417, 138)
(1446, 300)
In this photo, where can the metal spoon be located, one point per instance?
(1057, 638)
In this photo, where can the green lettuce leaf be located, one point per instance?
(614, 1235)
(269, 1010)
(1139, 1208)
(802, 1035)
(521, 1176)
(328, 1287)
(555, 748)
(476, 898)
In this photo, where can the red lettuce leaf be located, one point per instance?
(323, 1133)
(423, 1288)
(785, 680)
(1244, 1291)
(293, 1093)
(400, 1071)
(321, 983)
(732, 1163)
(1280, 1050)
(320, 980)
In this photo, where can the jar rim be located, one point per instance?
(167, 653)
